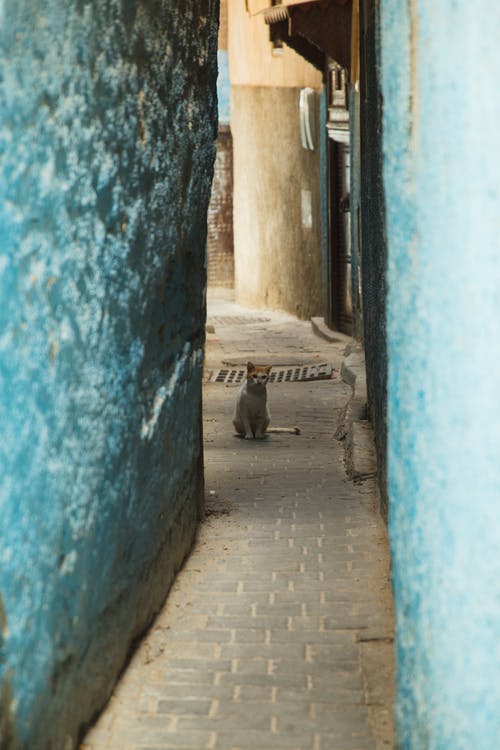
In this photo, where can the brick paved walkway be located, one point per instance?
(277, 634)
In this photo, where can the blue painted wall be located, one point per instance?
(441, 67)
(224, 88)
(107, 122)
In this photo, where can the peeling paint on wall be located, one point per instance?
(165, 392)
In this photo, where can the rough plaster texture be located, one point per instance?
(107, 122)
(278, 260)
(442, 161)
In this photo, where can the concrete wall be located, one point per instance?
(107, 121)
(441, 67)
(277, 211)
(278, 258)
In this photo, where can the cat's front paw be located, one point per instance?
(259, 436)
(249, 436)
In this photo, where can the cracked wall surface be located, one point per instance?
(107, 126)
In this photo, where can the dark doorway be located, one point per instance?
(340, 281)
(340, 308)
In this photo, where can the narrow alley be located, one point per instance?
(277, 633)
(164, 583)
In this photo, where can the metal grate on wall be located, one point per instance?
(290, 374)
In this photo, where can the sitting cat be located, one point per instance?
(251, 415)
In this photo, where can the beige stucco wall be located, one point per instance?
(251, 58)
(223, 25)
(277, 255)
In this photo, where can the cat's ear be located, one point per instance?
(250, 366)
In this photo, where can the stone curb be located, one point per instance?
(321, 329)
(354, 428)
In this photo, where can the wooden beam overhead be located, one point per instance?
(325, 24)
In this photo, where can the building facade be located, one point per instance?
(277, 200)
(220, 243)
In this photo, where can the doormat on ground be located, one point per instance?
(292, 374)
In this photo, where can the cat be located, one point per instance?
(251, 416)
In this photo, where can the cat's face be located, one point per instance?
(258, 374)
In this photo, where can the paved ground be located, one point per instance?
(277, 634)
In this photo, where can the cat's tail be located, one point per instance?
(284, 430)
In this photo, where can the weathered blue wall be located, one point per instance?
(107, 122)
(441, 67)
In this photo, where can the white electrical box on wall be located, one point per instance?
(307, 109)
